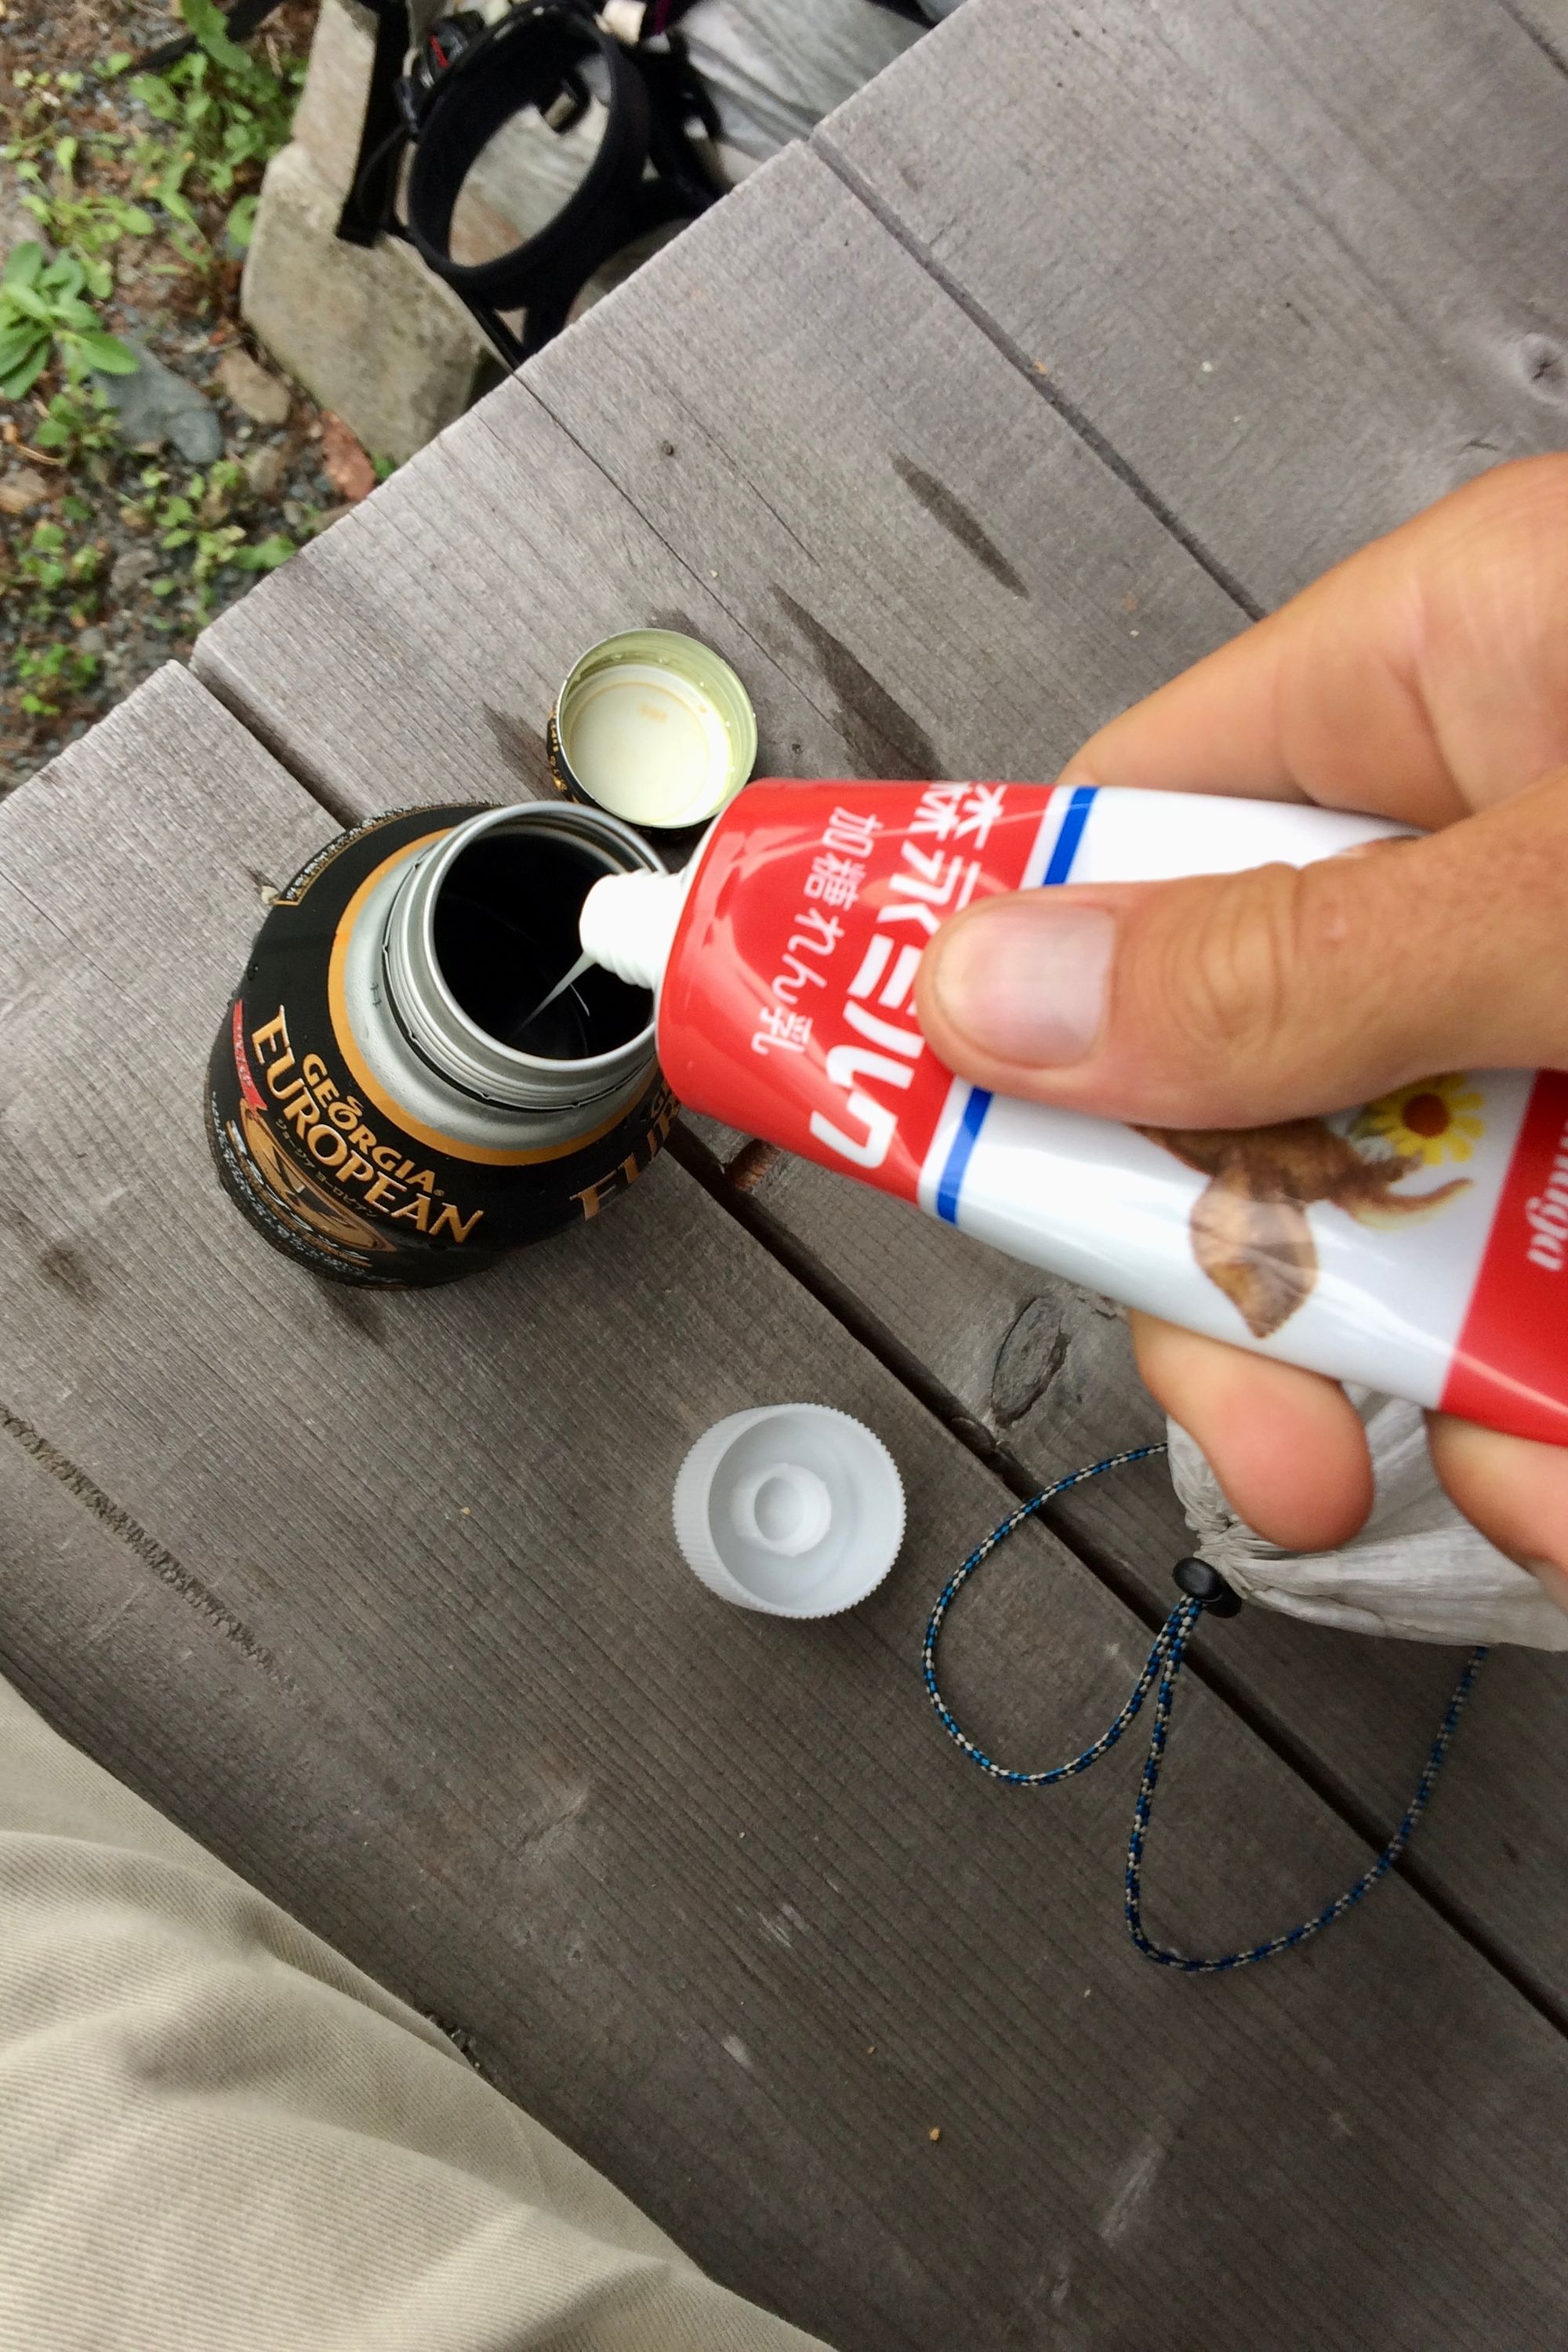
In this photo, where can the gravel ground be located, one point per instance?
(130, 602)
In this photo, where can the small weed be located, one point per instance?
(200, 517)
(211, 122)
(79, 422)
(52, 679)
(131, 177)
(223, 115)
(241, 222)
(47, 573)
(86, 218)
(85, 221)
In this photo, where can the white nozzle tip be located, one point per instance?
(793, 1509)
(627, 924)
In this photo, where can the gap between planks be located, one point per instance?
(805, 687)
(729, 1186)
(871, 1333)
(148, 1550)
(1546, 43)
(868, 1331)
(214, 681)
(1071, 416)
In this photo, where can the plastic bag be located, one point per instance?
(1416, 1570)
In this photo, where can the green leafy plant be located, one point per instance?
(242, 222)
(45, 318)
(79, 422)
(210, 122)
(86, 221)
(224, 114)
(264, 554)
(200, 517)
(47, 573)
(53, 677)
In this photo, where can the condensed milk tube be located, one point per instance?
(1417, 1245)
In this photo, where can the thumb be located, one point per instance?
(1235, 999)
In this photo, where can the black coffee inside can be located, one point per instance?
(505, 930)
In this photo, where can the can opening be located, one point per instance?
(505, 930)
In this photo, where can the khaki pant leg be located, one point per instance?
(216, 2133)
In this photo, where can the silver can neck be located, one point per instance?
(422, 1001)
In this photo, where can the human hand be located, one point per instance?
(1425, 680)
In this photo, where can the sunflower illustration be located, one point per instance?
(1433, 1120)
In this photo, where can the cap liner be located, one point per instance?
(654, 727)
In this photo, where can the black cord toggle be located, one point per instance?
(1203, 1582)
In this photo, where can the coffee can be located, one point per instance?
(385, 1103)
(654, 728)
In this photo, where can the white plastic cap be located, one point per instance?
(795, 1509)
(628, 923)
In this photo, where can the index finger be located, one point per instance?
(1423, 678)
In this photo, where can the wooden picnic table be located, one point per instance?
(1080, 338)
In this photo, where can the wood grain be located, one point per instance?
(786, 424)
(379, 1596)
(902, 520)
(1358, 1714)
(1299, 269)
(1546, 21)
(783, 435)
(892, 535)
(413, 652)
(1046, 1370)
(886, 512)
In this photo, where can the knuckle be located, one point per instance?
(1230, 975)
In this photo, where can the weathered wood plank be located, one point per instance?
(1299, 268)
(784, 473)
(1047, 1370)
(678, 1868)
(1547, 22)
(413, 652)
(903, 521)
(1043, 1367)
(1061, 1391)
(909, 584)
(888, 512)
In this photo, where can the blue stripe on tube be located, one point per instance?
(1064, 849)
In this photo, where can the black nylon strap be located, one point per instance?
(522, 65)
(383, 134)
(528, 59)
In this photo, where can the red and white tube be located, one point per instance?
(1418, 1245)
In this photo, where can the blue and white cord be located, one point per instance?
(1159, 1673)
